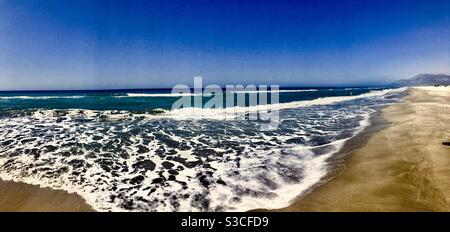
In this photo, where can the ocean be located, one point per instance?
(126, 150)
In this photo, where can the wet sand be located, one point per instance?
(403, 167)
(20, 197)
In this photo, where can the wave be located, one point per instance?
(220, 113)
(316, 167)
(192, 113)
(276, 91)
(200, 94)
(41, 97)
(159, 95)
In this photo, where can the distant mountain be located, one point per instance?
(424, 79)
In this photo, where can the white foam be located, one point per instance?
(313, 167)
(191, 113)
(275, 91)
(221, 113)
(158, 95)
(41, 97)
(200, 94)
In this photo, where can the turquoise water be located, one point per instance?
(128, 151)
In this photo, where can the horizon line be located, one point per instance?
(144, 89)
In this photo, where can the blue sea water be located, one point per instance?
(136, 100)
(126, 150)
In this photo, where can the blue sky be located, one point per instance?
(51, 44)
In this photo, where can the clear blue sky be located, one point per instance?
(137, 44)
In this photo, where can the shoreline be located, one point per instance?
(341, 158)
(403, 165)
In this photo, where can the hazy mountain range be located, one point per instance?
(424, 79)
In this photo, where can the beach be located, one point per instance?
(403, 167)
(399, 163)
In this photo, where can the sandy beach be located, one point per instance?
(399, 164)
(404, 167)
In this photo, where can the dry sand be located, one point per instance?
(404, 167)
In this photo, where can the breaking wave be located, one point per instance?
(41, 97)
